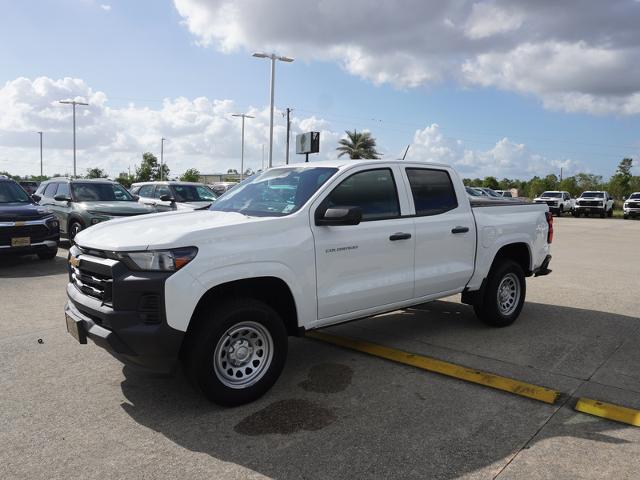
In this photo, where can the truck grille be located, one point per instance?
(93, 284)
(634, 205)
(589, 203)
(37, 233)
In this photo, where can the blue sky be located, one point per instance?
(144, 51)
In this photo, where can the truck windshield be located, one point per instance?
(592, 195)
(11, 192)
(551, 194)
(634, 196)
(274, 193)
(99, 192)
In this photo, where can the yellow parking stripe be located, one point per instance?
(510, 385)
(609, 411)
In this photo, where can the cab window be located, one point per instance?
(432, 191)
(146, 191)
(374, 191)
(50, 191)
(63, 189)
(162, 190)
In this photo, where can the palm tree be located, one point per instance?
(358, 145)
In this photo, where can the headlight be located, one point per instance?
(52, 222)
(159, 260)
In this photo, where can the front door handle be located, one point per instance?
(459, 229)
(400, 236)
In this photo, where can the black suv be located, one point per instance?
(24, 226)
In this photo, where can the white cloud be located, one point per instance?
(575, 56)
(201, 133)
(504, 159)
(105, 7)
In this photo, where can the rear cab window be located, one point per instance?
(432, 191)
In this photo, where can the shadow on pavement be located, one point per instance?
(335, 413)
(24, 266)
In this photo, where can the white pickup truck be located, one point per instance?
(596, 201)
(559, 201)
(296, 248)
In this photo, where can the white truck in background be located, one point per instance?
(296, 248)
(598, 202)
(559, 202)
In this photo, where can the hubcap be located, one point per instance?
(508, 294)
(243, 355)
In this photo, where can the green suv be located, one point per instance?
(79, 203)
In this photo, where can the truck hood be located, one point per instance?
(179, 228)
(115, 208)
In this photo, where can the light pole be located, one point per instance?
(74, 103)
(40, 133)
(162, 140)
(243, 116)
(273, 58)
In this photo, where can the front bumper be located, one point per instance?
(590, 209)
(631, 211)
(41, 235)
(123, 326)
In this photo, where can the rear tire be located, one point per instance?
(237, 352)
(48, 254)
(602, 215)
(504, 295)
(610, 213)
(576, 213)
(561, 211)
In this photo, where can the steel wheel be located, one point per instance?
(243, 355)
(508, 294)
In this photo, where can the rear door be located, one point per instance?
(444, 231)
(369, 265)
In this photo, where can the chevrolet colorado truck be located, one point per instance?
(291, 249)
(594, 202)
(559, 202)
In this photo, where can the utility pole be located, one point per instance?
(243, 116)
(40, 133)
(286, 158)
(560, 173)
(273, 57)
(74, 103)
(162, 157)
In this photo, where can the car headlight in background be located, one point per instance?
(52, 222)
(159, 260)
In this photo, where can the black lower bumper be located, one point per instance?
(40, 245)
(152, 347)
(543, 269)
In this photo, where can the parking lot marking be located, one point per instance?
(498, 382)
(609, 411)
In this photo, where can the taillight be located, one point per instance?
(550, 223)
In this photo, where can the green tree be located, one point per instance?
(358, 145)
(588, 181)
(191, 175)
(149, 169)
(619, 184)
(124, 179)
(569, 184)
(232, 170)
(96, 173)
(491, 182)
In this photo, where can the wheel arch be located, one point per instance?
(273, 291)
(519, 252)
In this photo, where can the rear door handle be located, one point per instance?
(400, 236)
(459, 229)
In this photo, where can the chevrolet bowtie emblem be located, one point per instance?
(19, 224)
(74, 261)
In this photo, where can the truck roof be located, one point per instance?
(342, 163)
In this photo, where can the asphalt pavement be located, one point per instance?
(72, 411)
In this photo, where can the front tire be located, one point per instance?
(238, 352)
(74, 229)
(504, 295)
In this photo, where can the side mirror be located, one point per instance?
(167, 198)
(62, 198)
(336, 216)
(36, 198)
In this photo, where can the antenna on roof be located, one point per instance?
(405, 152)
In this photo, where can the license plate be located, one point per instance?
(76, 330)
(21, 241)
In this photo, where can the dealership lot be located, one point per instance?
(71, 411)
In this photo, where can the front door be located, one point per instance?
(359, 267)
